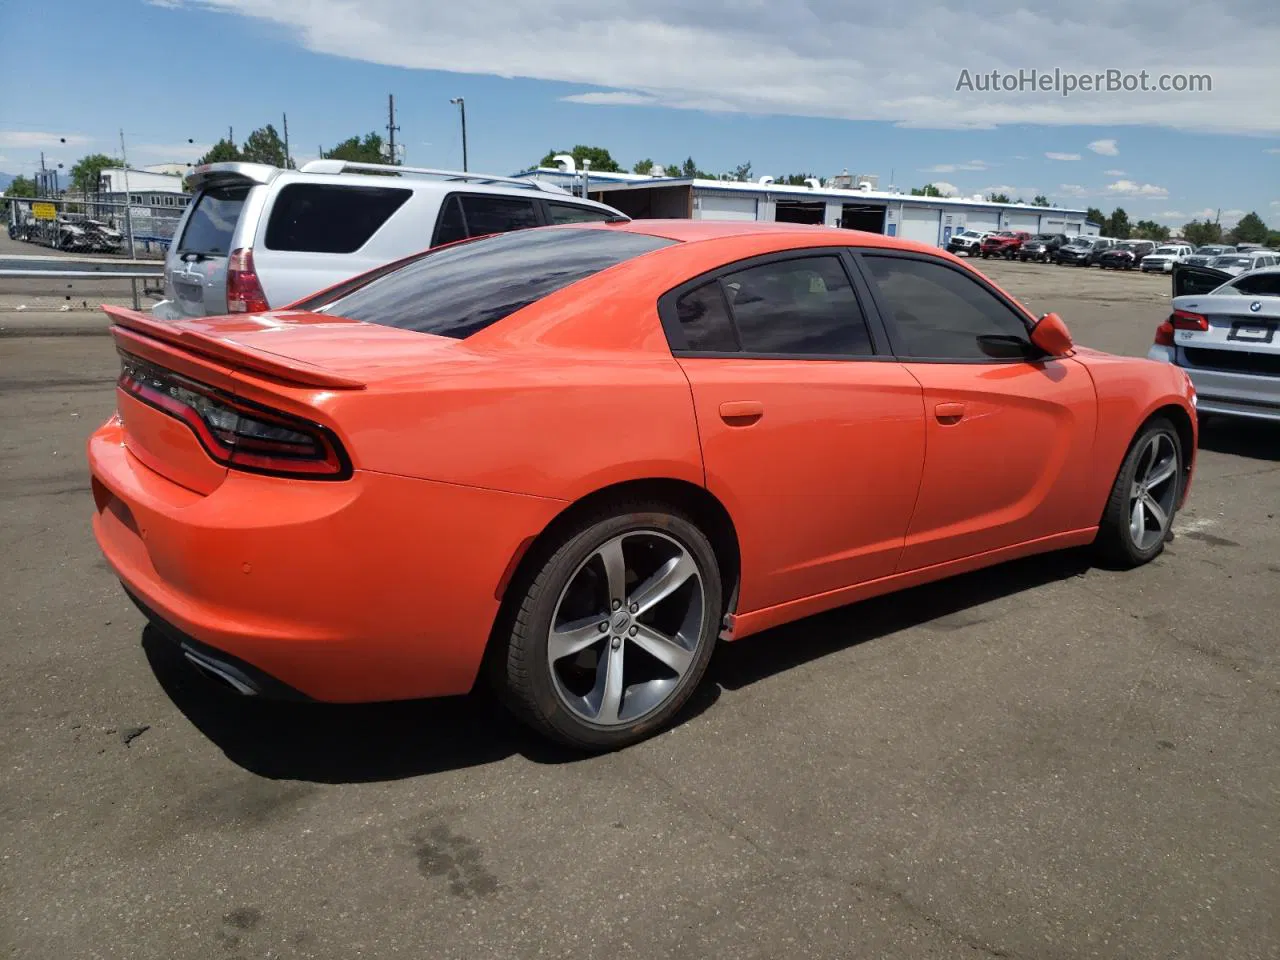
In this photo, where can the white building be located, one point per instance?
(859, 206)
(145, 188)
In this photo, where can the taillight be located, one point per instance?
(1186, 320)
(244, 291)
(235, 432)
(1164, 334)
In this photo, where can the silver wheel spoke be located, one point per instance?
(615, 568)
(664, 648)
(662, 584)
(611, 695)
(1162, 471)
(1157, 512)
(1138, 522)
(575, 637)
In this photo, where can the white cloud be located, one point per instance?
(1114, 173)
(946, 189)
(1072, 190)
(1018, 156)
(1272, 150)
(1275, 203)
(1063, 156)
(176, 152)
(1026, 193)
(953, 167)
(38, 139)
(1228, 218)
(1106, 148)
(1172, 215)
(792, 56)
(608, 98)
(1130, 188)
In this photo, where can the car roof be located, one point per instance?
(691, 231)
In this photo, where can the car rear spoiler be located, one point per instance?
(131, 325)
(231, 172)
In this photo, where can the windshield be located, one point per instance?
(1210, 251)
(1230, 261)
(1171, 250)
(213, 221)
(459, 290)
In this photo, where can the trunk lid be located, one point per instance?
(1243, 334)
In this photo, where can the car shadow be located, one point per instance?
(327, 743)
(1256, 439)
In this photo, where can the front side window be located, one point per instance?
(941, 313)
(570, 213)
(329, 218)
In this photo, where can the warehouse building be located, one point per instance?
(854, 203)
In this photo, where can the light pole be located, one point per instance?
(462, 111)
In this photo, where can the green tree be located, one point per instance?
(87, 170)
(1040, 200)
(265, 146)
(1273, 239)
(221, 152)
(1199, 233)
(793, 179)
(741, 172)
(928, 190)
(601, 160)
(1250, 229)
(998, 197)
(20, 187)
(643, 166)
(1117, 224)
(1149, 230)
(1097, 216)
(366, 149)
(690, 169)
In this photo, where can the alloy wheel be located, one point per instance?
(626, 628)
(1153, 493)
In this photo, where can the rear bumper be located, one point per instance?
(376, 588)
(1220, 392)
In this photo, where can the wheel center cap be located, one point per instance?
(621, 620)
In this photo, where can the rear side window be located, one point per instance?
(452, 227)
(568, 213)
(704, 319)
(803, 306)
(457, 291)
(497, 214)
(328, 218)
(213, 221)
(1256, 285)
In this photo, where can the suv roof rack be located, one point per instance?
(343, 166)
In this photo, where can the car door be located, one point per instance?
(1191, 279)
(812, 435)
(1009, 436)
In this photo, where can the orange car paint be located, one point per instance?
(843, 479)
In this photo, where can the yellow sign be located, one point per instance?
(44, 211)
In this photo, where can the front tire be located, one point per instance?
(614, 628)
(1139, 514)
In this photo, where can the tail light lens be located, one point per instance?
(1164, 334)
(1186, 320)
(244, 291)
(235, 432)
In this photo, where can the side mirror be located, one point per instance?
(1051, 336)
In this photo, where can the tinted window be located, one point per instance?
(801, 306)
(494, 214)
(327, 218)
(568, 213)
(452, 227)
(213, 220)
(940, 313)
(704, 319)
(457, 291)
(1256, 285)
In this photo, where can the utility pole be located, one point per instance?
(462, 110)
(288, 165)
(391, 127)
(231, 135)
(128, 215)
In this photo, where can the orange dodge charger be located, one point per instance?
(572, 458)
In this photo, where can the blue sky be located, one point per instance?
(791, 85)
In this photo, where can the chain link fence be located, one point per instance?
(142, 228)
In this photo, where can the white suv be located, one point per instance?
(256, 237)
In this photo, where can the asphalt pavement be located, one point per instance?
(1044, 760)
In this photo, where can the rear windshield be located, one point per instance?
(459, 290)
(213, 220)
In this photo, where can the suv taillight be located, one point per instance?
(244, 292)
(235, 432)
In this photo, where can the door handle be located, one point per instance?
(741, 413)
(949, 412)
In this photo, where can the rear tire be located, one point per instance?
(1139, 514)
(648, 576)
